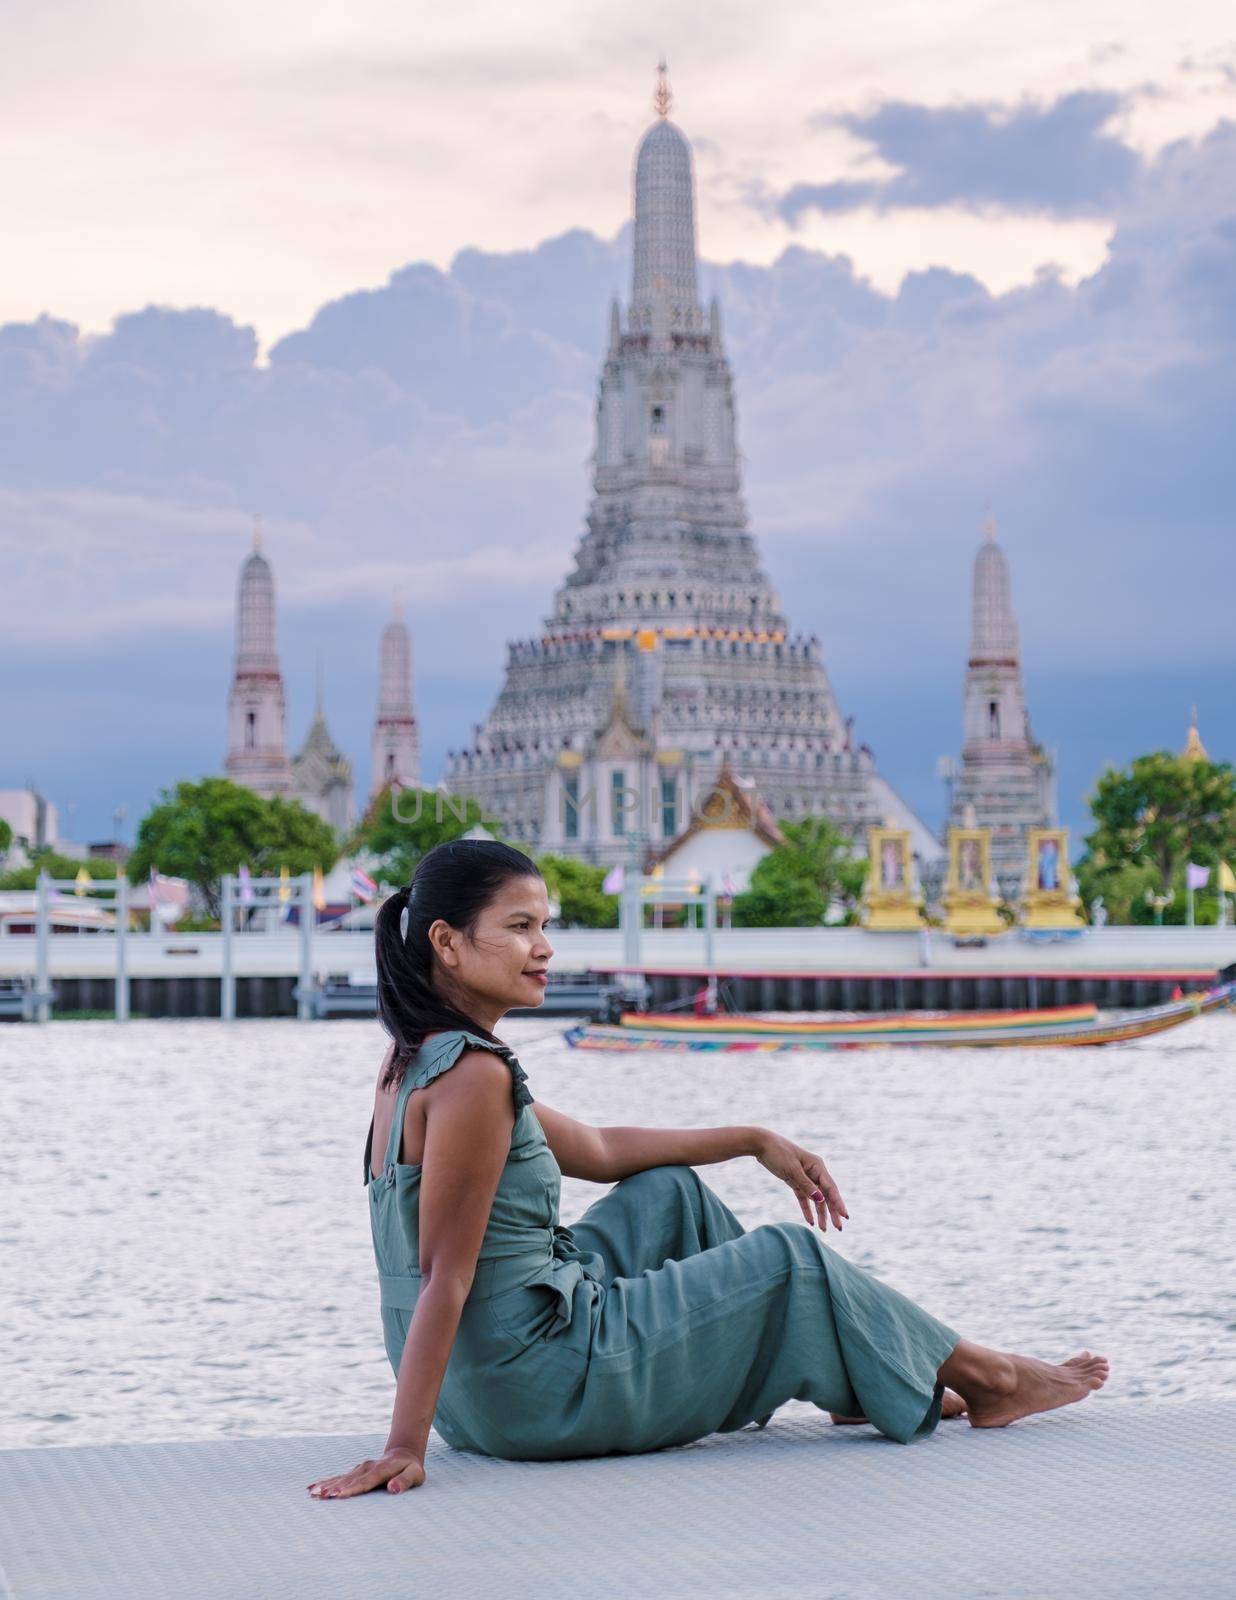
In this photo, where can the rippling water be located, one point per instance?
(184, 1245)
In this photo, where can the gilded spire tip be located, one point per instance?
(989, 529)
(662, 98)
(1194, 749)
(257, 531)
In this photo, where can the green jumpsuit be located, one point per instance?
(653, 1321)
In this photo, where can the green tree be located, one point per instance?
(400, 827)
(1151, 819)
(794, 884)
(6, 837)
(56, 866)
(199, 831)
(576, 885)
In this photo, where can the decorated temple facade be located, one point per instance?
(666, 652)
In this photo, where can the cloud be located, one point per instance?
(1052, 158)
(431, 436)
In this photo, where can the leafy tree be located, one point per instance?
(576, 885)
(1150, 820)
(794, 884)
(6, 837)
(56, 866)
(401, 826)
(199, 831)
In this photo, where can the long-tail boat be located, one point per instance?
(1053, 1027)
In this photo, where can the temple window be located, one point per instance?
(669, 807)
(570, 806)
(618, 808)
(250, 729)
(993, 719)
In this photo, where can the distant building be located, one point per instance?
(32, 817)
(1006, 781)
(666, 653)
(322, 775)
(395, 747)
(257, 709)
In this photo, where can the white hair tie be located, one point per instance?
(403, 925)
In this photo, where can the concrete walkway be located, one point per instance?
(1108, 1499)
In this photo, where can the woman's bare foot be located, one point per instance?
(952, 1406)
(999, 1389)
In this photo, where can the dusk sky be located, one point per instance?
(349, 267)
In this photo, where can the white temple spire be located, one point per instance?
(1006, 780)
(663, 269)
(257, 709)
(396, 740)
(993, 632)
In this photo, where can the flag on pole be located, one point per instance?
(363, 886)
(319, 890)
(169, 899)
(83, 880)
(728, 887)
(285, 886)
(613, 880)
(246, 886)
(1196, 877)
(1227, 878)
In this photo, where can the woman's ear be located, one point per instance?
(443, 941)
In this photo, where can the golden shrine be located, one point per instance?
(1047, 901)
(969, 906)
(890, 904)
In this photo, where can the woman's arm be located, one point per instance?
(604, 1155)
(468, 1120)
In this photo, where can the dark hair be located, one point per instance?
(455, 882)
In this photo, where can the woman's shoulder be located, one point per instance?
(440, 1051)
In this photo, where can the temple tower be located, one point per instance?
(396, 741)
(322, 775)
(257, 709)
(666, 651)
(1006, 781)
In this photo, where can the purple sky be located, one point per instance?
(428, 437)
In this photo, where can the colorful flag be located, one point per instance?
(169, 898)
(728, 887)
(285, 886)
(1196, 877)
(83, 880)
(319, 890)
(363, 886)
(613, 880)
(246, 886)
(1227, 878)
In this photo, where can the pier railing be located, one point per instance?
(285, 967)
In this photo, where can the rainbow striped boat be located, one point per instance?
(1052, 1028)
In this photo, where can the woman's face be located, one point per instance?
(504, 962)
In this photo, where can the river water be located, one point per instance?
(184, 1245)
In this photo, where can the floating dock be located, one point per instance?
(1107, 1499)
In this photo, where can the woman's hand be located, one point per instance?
(397, 1469)
(806, 1174)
